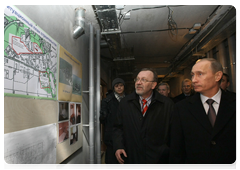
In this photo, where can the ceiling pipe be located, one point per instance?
(79, 26)
(186, 53)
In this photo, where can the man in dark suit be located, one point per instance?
(108, 114)
(187, 91)
(141, 129)
(201, 132)
(225, 83)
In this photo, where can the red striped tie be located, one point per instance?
(145, 107)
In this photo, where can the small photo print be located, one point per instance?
(72, 114)
(63, 129)
(73, 135)
(78, 110)
(63, 113)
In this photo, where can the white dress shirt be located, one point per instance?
(216, 98)
(149, 99)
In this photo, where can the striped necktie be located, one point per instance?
(144, 106)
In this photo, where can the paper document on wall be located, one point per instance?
(31, 146)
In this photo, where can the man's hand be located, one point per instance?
(118, 155)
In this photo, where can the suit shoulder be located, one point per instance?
(108, 98)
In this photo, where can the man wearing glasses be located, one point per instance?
(142, 124)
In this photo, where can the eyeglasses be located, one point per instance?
(142, 80)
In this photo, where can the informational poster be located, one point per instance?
(31, 146)
(30, 58)
(70, 77)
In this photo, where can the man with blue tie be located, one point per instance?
(203, 127)
(141, 130)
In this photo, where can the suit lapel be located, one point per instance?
(226, 110)
(135, 99)
(197, 110)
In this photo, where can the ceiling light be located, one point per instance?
(197, 26)
(192, 31)
(127, 16)
(119, 7)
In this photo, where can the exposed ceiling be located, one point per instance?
(138, 36)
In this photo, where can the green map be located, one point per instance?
(30, 57)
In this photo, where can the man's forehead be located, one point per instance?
(146, 73)
(201, 65)
(162, 86)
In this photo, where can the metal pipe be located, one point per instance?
(111, 32)
(210, 54)
(98, 99)
(91, 96)
(79, 26)
(232, 56)
(222, 56)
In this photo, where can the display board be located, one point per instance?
(69, 126)
(30, 58)
(30, 79)
(70, 77)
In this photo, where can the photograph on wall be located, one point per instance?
(65, 72)
(78, 112)
(30, 58)
(77, 82)
(63, 111)
(70, 77)
(72, 115)
(63, 131)
(74, 134)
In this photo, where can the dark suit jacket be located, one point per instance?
(195, 141)
(143, 138)
(181, 97)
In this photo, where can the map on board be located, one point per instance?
(30, 57)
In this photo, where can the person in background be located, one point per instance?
(203, 126)
(142, 126)
(187, 90)
(225, 83)
(164, 89)
(108, 113)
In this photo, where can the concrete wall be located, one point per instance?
(57, 21)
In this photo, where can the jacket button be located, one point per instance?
(140, 119)
(213, 142)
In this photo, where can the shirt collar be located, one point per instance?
(216, 97)
(147, 99)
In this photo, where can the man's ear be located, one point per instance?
(228, 84)
(218, 75)
(154, 85)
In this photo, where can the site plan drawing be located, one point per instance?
(31, 146)
(30, 57)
